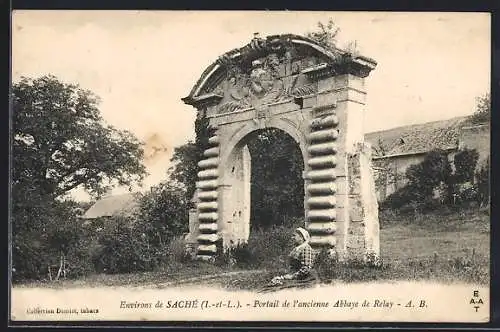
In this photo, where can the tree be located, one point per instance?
(277, 190)
(43, 235)
(465, 165)
(60, 142)
(277, 185)
(326, 34)
(483, 110)
(164, 213)
(187, 156)
(423, 178)
(483, 183)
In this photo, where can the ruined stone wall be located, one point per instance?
(363, 231)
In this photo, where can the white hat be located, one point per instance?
(303, 233)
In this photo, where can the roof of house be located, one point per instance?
(419, 138)
(111, 206)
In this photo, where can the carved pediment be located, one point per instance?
(268, 79)
(265, 71)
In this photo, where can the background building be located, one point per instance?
(396, 149)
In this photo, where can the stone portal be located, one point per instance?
(318, 97)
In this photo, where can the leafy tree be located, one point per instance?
(277, 190)
(44, 235)
(482, 113)
(60, 142)
(164, 213)
(423, 178)
(185, 168)
(187, 156)
(483, 183)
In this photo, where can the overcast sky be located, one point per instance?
(431, 66)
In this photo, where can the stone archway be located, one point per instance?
(234, 180)
(318, 98)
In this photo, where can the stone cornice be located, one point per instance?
(345, 64)
(205, 100)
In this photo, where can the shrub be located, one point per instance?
(465, 162)
(243, 256)
(270, 247)
(483, 183)
(355, 269)
(149, 239)
(266, 248)
(125, 249)
(177, 251)
(80, 258)
(163, 213)
(423, 179)
(55, 233)
(29, 260)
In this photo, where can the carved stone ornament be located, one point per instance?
(271, 70)
(269, 79)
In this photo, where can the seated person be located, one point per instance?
(301, 259)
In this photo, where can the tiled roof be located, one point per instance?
(117, 205)
(417, 138)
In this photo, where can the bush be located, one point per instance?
(80, 258)
(125, 249)
(177, 251)
(149, 239)
(432, 182)
(163, 213)
(356, 269)
(55, 233)
(465, 162)
(29, 259)
(243, 256)
(266, 248)
(483, 184)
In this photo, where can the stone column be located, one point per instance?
(350, 94)
(342, 95)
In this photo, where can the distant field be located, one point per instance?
(443, 247)
(448, 236)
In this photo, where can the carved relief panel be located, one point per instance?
(266, 72)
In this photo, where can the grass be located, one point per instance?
(448, 246)
(448, 235)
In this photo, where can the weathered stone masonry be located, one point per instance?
(317, 97)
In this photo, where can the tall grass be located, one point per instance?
(266, 249)
(471, 268)
(442, 233)
(447, 246)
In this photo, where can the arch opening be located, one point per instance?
(264, 183)
(277, 185)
